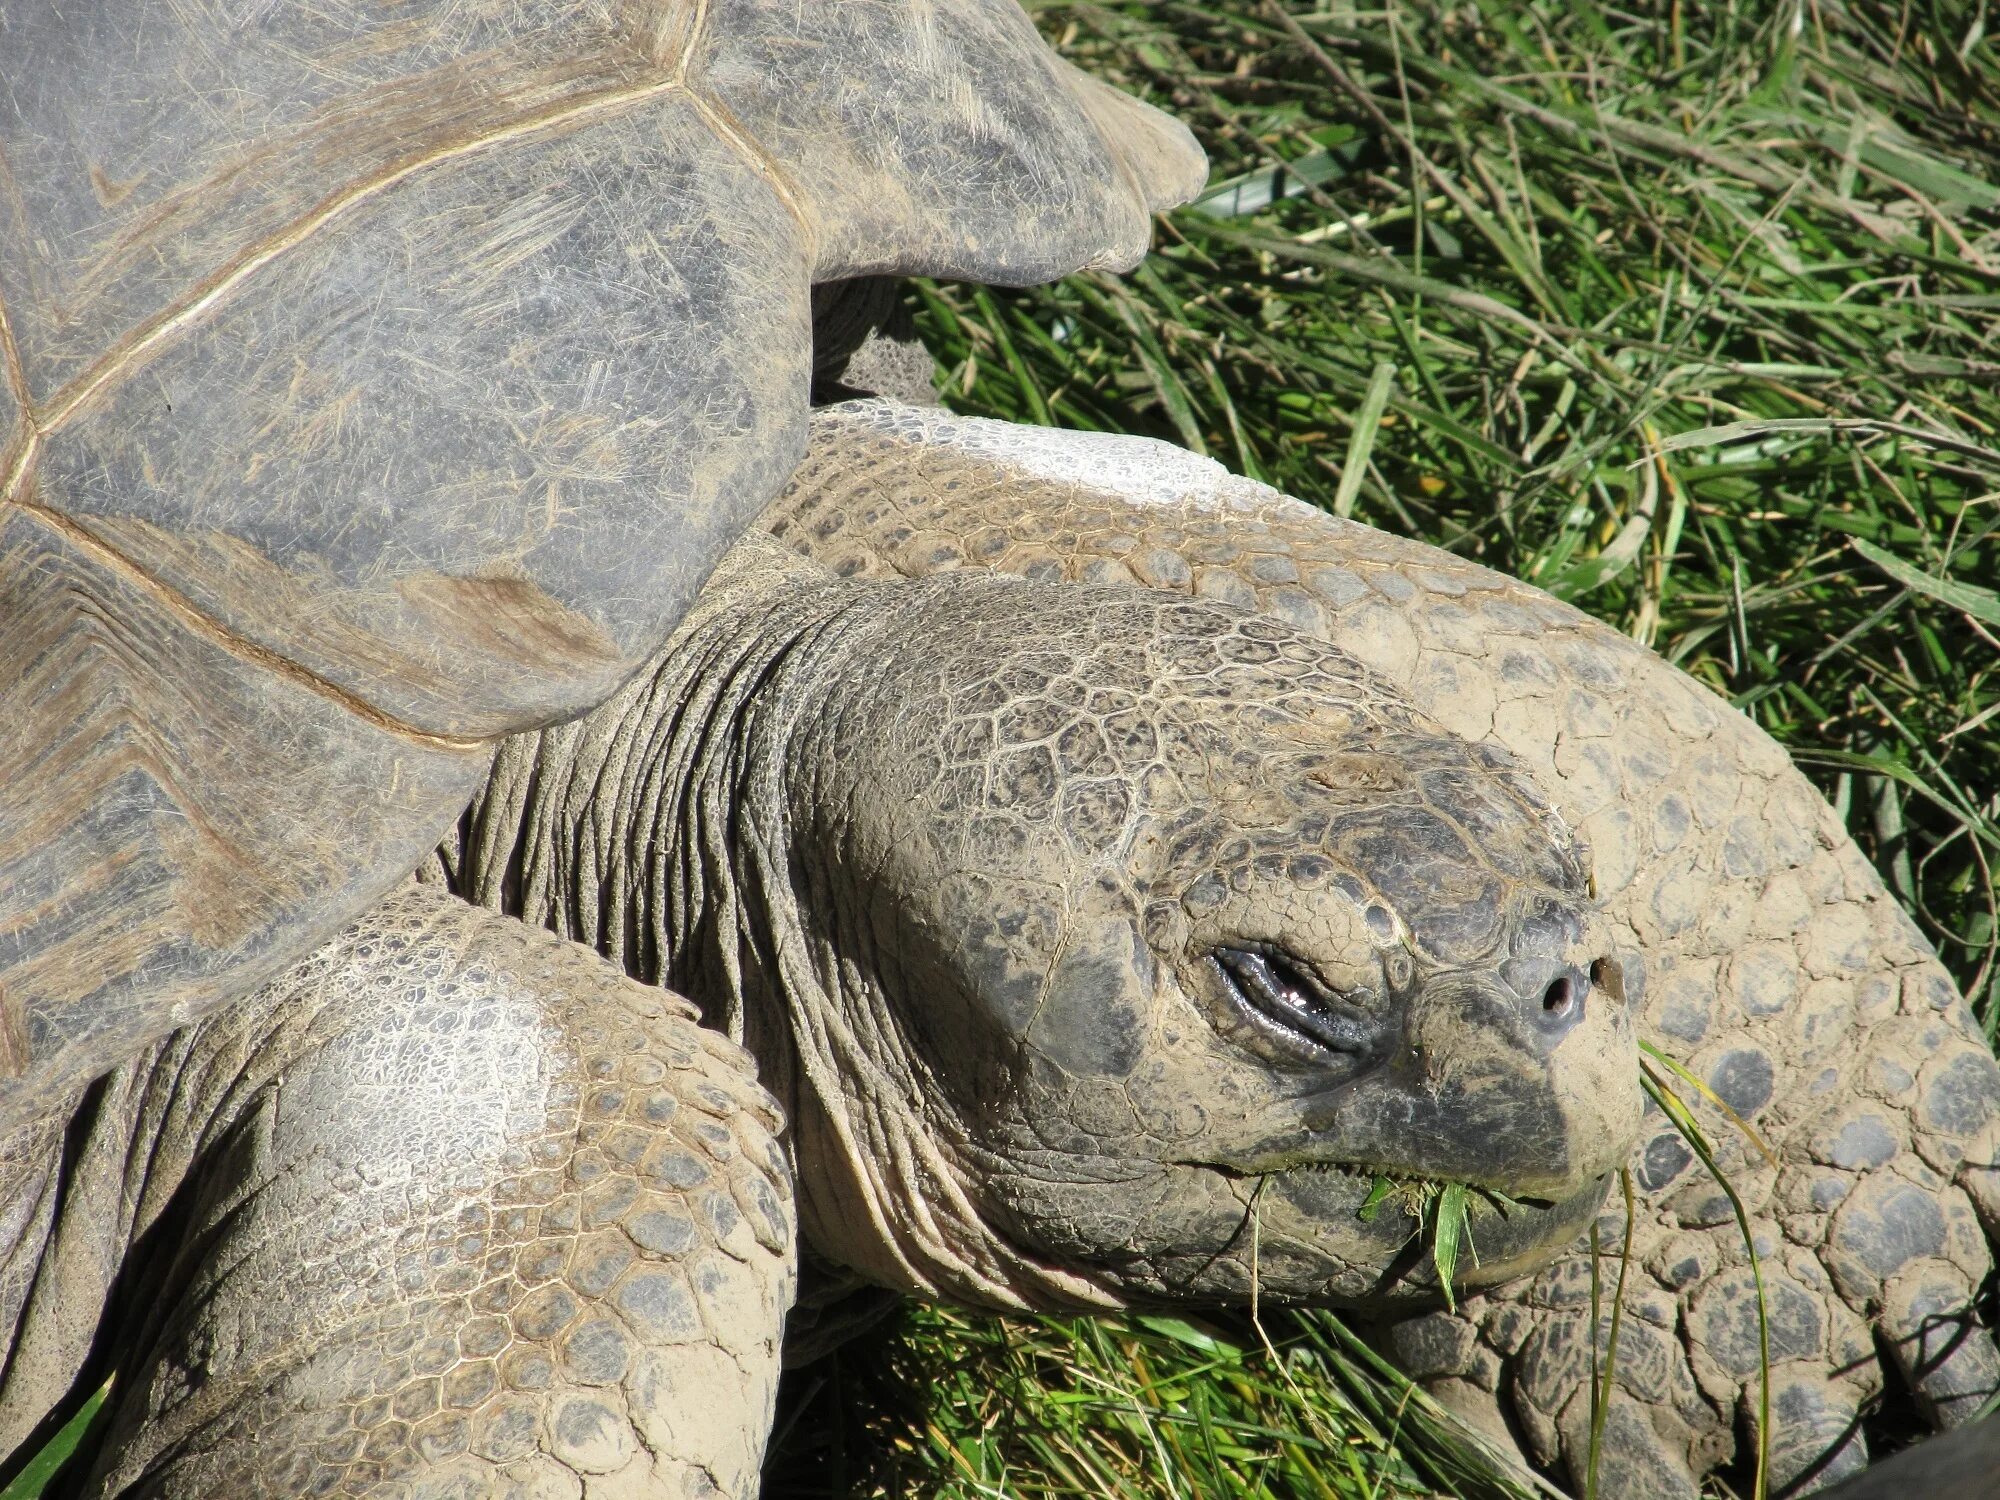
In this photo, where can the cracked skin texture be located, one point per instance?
(455, 1210)
(955, 861)
(295, 532)
(1760, 948)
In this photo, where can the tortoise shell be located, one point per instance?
(382, 379)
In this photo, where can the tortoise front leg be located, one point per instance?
(459, 1210)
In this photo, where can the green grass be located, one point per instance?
(948, 1403)
(32, 1474)
(1689, 313)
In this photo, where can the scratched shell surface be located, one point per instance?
(381, 379)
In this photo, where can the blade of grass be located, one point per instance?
(36, 1475)
(1690, 1129)
(1366, 420)
(1750, 1134)
(1448, 1228)
(1600, 1391)
(1981, 604)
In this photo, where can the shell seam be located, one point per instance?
(239, 646)
(717, 117)
(10, 352)
(14, 456)
(10, 357)
(157, 332)
(696, 28)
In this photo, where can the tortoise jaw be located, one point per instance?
(1319, 1208)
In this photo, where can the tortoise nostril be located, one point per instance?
(1556, 998)
(1563, 989)
(1608, 978)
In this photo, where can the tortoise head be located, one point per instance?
(1168, 932)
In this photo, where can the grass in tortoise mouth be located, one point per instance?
(1441, 1208)
(1443, 1211)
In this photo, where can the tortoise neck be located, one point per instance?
(652, 828)
(670, 830)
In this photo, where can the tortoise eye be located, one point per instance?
(1283, 1002)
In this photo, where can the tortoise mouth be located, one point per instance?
(1320, 1207)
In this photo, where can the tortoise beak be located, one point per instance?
(1527, 1083)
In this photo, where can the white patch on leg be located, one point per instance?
(440, 1066)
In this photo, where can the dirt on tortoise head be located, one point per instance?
(1196, 924)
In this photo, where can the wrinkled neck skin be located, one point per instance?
(661, 830)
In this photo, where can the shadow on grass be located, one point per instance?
(939, 1402)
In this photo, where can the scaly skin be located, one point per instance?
(405, 399)
(954, 860)
(885, 829)
(475, 1215)
(1774, 964)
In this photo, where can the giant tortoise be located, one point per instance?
(384, 383)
